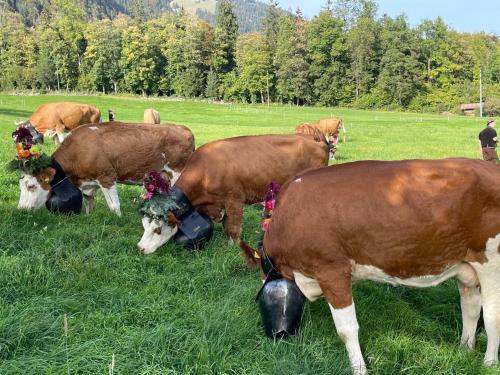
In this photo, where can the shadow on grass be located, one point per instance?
(15, 112)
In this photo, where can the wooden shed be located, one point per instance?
(469, 109)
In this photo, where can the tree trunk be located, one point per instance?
(115, 86)
(103, 89)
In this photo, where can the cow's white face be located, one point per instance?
(34, 193)
(156, 233)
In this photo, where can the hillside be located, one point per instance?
(248, 12)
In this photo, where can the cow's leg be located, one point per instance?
(470, 302)
(232, 220)
(111, 196)
(489, 277)
(88, 193)
(59, 134)
(337, 290)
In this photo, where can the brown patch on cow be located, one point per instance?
(172, 221)
(45, 177)
(476, 256)
(407, 218)
(157, 231)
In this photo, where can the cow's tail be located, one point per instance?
(252, 256)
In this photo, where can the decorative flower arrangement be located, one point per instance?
(269, 203)
(30, 158)
(158, 200)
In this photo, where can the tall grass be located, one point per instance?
(76, 297)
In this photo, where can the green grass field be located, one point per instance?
(179, 312)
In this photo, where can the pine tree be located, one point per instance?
(270, 26)
(226, 33)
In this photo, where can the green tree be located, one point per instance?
(226, 33)
(400, 69)
(363, 49)
(102, 56)
(137, 61)
(253, 61)
(328, 54)
(291, 60)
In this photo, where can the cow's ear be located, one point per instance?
(172, 221)
(46, 176)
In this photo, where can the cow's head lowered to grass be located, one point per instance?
(42, 178)
(167, 213)
(36, 173)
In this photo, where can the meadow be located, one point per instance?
(75, 293)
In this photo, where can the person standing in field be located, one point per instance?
(488, 140)
(111, 115)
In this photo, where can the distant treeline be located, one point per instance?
(344, 56)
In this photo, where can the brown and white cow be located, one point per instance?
(415, 223)
(151, 116)
(99, 155)
(221, 176)
(331, 127)
(52, 119)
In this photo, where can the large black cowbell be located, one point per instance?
(195, 229)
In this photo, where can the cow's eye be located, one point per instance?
(157, 231)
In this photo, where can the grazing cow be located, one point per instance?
(99, 155)
(311, 129)
(151, 116)
(221, 176)
(51, 119)
(415, 223)
(331, 127)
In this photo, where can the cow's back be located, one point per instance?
(245, 165)
(67, 114)
(125, 151)
(407, 218)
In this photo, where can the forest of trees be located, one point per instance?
(345, 55)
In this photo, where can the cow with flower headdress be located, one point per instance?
(98, 156)
(222, 176)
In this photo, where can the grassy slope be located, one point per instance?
(177, 312)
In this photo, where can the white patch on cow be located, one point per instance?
(33, 195)
(170, 171)
(59, 139)
(308, 286)
(365, 272)
(163, 155)
(347, 328)
(111, 196)
(88, 189)
(489, 278)
(93, 128)
(156, 233)
(298, 180)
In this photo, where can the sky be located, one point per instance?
(461, 15)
